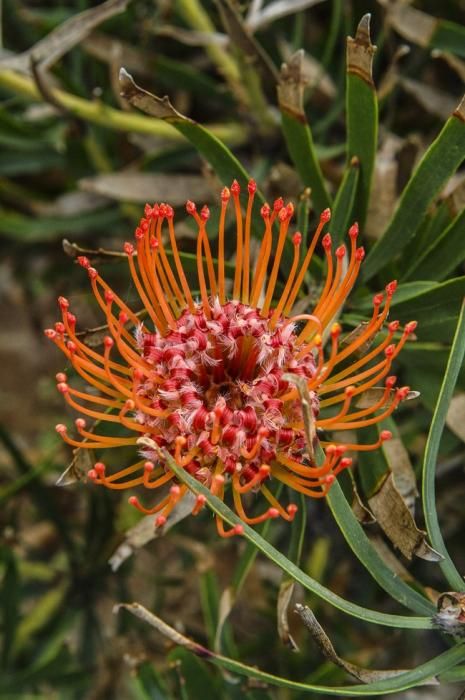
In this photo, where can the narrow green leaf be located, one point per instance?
(436, 310)
(297, 131)
(443, 255)
(369, 557)
(9, 601)
(362, 111)
(220, 508)
(432, 449)
(449, 36)
(439, 162)
(343, 207)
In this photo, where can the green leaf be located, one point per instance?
(443, 255)
(25, 229)
(9, 602)
(220, 508)
(449, 36)
(432, 449)
(365, 552)
(436, 310)
(439, 162)
(197, 680)
(342, 211)
(362, 111)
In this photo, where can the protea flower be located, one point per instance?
(207, 375)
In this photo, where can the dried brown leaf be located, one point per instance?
(308, 417)
(67, 35)
(455, 418)
(77, 470)
(145, 531)
(286, 591)
(242, 39)
(360, 51)
(291, 85)
(435, 101)
(402, 471)
(159, 107)
(327, 649)
(397, 522)
(413, 25)
(131, 186)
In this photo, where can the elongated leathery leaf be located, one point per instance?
(438, 163)
(220, 508)
(297, 131)
(445, 254)
(342, 213)
(362, 111)
(432, 449)
(405, 679)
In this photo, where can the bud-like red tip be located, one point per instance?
(385, 435)
(327, 241)
(265, 211)
(391, 287)
(297, 238)
(235, 188)
(190, 207)
(128, 248)
(410, 327)
(83, 261)
(340, 251)
(205, 213)
(108, 341)
(225, 195)
(353, 231)
(325, 216)
(252, 187)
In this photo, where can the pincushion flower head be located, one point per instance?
(209, 376)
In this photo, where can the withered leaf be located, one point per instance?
(291, 85)
(397, 522)
(144, 531)
(131, 186)
(325, 645)
(64, 37)
(413, 25)
(286, 591)
(159, 107)
(402, 471)
(371, 396)
(455, 418)
(77, 470)
(308, 417)
(360, 51)
(242, 38)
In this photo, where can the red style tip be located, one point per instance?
(297, 238)
(108, 341)
(190, 207)
(340, 251)
(391, 382)
(393, 326)
(238, 529)
(139, 234)
(99, 468)
(63, 303)
(71, 318)
(205, 213)
(252, 187)
(160, 521)
(335, 330)
(50, 333)
(92, 474)
(283, 215)
(273, 513)
(235, 188)
(378, 300)
(353, 231)
(80, 423)
(265, 211)
(350, 390)
(60, 328)
(327, 242)
(123, 317)
(278, 204)
(325, 216)
(148, 211)
(83, 261)
(63, 388)
(385, 435)
(169, 211)
(132, 500)
(292, 509)
(225, 195)
(410, 327)
(149, 466)
(402, 393)
(345, 462)
(61, 429)
(391, 288)
(389, 352)
(109, 296)
(330, 479)
(71, 346)
(128, 248)
(92, 272)
(360, 254)
(61, 377)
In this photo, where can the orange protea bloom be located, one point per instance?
(207, 378)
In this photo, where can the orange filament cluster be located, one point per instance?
(207, 378)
